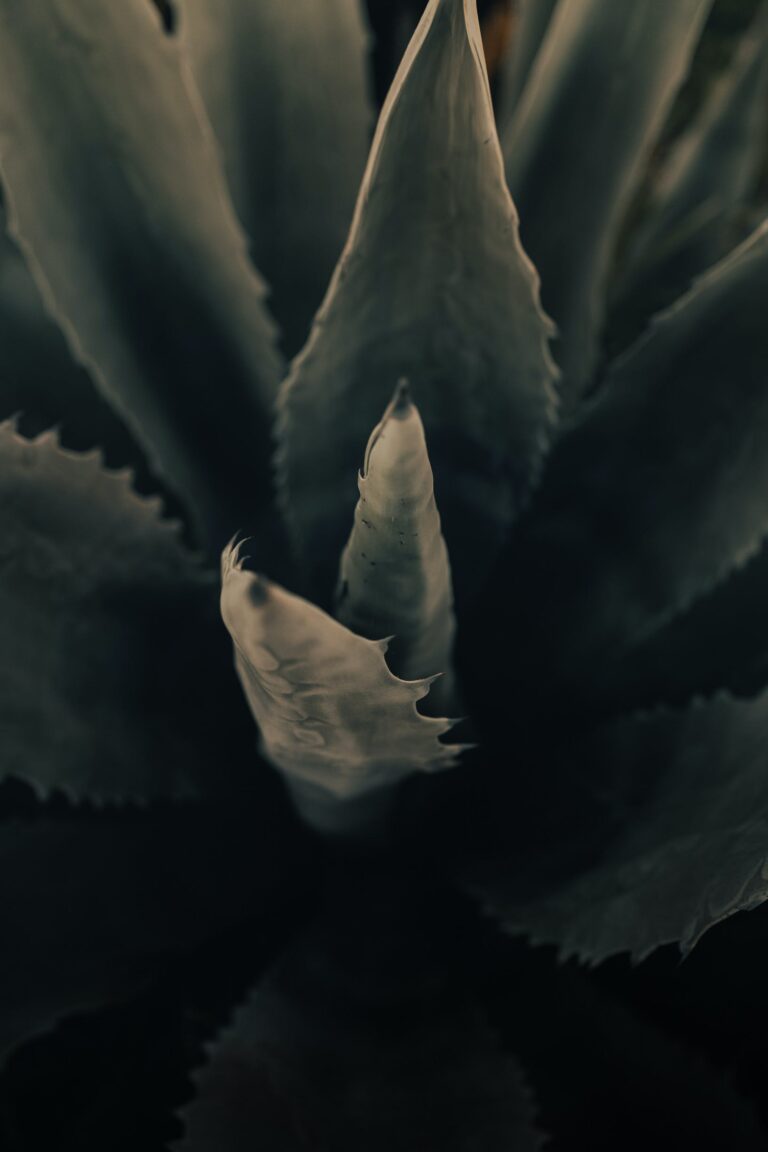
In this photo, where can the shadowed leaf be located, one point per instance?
(103, 612)
(285, 86)
(690, 791)
(91, 905)
(531, 21)
(116, 199)
(352, 1044)
(700, 209)
(597, 99)
(433, 286)
(658, 492)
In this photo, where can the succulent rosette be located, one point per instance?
(493, 449)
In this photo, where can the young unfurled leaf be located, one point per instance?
(433, 285)
(700, 209)
(531, 21)
(351, 1045)
(596, 102)
(100, 605)
(692, 850)
(659, 491)
(395, 578)
(284, 82)
(116, 198)
(333, 718)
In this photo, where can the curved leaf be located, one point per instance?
(332, 717)
(116, 199)
(603, 84)
(434, 286)
(700, 209)
(658, 492)
(349, 1045)
(692, 793)
(40, 382)
(395, 578)
(102, 607)
(286, 88)
(91, 905)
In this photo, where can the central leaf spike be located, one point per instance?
(432, 284)
(395, 577)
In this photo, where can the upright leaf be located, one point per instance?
(658, 492)
(598, 97)
(395, 577)
(532, 19)
(286, 89)
(701, 201)
(433, 285)
(116, 198)
(333, 718)
(692, 793)
(104, 633)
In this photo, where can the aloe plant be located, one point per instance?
(476, 595)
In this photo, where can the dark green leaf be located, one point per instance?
(577, 147)
(116, 198)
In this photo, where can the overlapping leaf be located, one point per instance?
(354, 1043)
(659, 491)
(434, 286)
(691, 846)
(332, 716)
(576, 149)
(117, 200)
(532, 19)
(702, 198)
(91, 903)
(105, 634)
(286, 88)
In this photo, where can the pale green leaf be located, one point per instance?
(395, 577)
(285, 85)
(116, 198)
(434, 286)
(597, 99)
(333, 718)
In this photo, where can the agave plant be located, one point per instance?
(495, 601)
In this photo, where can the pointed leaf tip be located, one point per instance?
(333, 718)
(395, 575)
(433, 285)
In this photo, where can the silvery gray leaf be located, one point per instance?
(285, 85)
